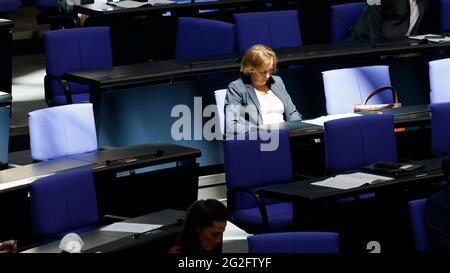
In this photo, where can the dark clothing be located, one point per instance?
(389, 19)
(437, 221)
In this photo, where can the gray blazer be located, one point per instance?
(242, 108)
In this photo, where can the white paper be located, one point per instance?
(136, 4)
(350, 181)
(130, 227)
(130, 4)
(436, 40)
(321, 120)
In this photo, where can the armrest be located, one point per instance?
(256, 195)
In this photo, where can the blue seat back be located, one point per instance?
(416, 213)
(246, 166)
(45, 4)
(440, 129)
(276, 29)
(9, 5)
(439, 82)
(345, 87)
(63, 202)
(73, 50)
(343, 17)
(445, 15)
(61, 131)
(294, 242)
(352, 143)
(199, 38)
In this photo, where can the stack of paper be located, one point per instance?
(130, 227)
(321, 120)
(350, 181)
(432, 38)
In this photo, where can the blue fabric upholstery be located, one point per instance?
(294, 242)
(345, 87)
(440, 129)
(439, 82)
(416, 213)
(247, 167)
(352, 143)
(343, 17)
(199, 38)
(9, 5)
(445, 15)
(63, 202)
(72, 50)
(61, 131)
(45, 4)
(276, 29)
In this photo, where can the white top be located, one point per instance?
(413, 15)
(272, 108)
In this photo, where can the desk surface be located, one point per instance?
(145, 73)
(119, 159)
(100, 8)
(403, 116)
(105, 241)
(302, 191)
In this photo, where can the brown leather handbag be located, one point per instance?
(364, 107)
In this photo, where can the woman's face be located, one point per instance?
(211, 236)
(261, 74)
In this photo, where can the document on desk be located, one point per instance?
(435, 38)
(321, 120)
(352, 180)
(136, 4)
(130, 227)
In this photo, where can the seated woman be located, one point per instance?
(204, 224)
(258, 98)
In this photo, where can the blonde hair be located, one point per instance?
(257, 56)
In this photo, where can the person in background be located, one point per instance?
(437, 215)
(390, 18)
(9, 246)
(257, 98)
(203, 227)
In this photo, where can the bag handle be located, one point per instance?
(381, 89)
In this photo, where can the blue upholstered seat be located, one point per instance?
(247, 169)
(199, 38)
(294, 242)
(347, 86)
(440, 129)
(61, 131)
(276, 29)
(62, 203)
(9, 5)
(445, 15)
(439, 81)
(73, 50)
(352, 143)
(45, 4)
(416, 213)
(343, 17)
